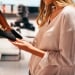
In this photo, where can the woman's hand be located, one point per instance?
(22, 44)
(26, 46)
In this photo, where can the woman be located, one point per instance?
(55, 41)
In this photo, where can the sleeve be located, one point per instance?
(67, 36)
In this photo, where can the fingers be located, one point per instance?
(17, 44)
(19, 40)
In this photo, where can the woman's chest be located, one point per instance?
(48, 36)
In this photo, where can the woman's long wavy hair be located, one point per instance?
(45, 12)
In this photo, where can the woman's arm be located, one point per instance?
(36, 51)
(28, 47)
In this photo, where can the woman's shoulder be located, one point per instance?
(68, 10)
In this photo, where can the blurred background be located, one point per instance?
(21, 16)
(10, 6)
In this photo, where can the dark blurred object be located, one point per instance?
(17, 35)
(33, 9)
(23, 11)
(12, 35)
(8, 35)
(23, 21)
